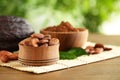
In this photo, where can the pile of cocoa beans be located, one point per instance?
(96, 49)
(37, 40)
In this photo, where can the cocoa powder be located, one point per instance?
(63, 27)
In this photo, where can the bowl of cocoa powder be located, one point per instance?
(39, 50)
(68, 36)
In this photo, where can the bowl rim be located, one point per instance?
(81, 31)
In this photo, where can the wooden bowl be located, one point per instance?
(38, 56)
(70, 39)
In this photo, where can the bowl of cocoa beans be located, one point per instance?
(39, 50)
(68, 36)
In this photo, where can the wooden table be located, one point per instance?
(104, 70)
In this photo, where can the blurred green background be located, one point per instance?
(80, 13)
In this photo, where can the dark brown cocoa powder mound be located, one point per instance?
(12, 31)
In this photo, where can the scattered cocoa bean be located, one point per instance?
(96, 49)
(13, 56)
(6, 56)
(47, 36)
(89, 48)
(43, 41)
(40, 36)
(4, 52)
(44, 45)
(107, 49)
(98, 45)
(34, 42)
(53, 41)
(92, 52)
(27, 43)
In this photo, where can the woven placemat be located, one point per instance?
(64, 64)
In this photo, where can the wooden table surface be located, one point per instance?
(104, 70)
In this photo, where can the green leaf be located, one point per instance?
(72, 53)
